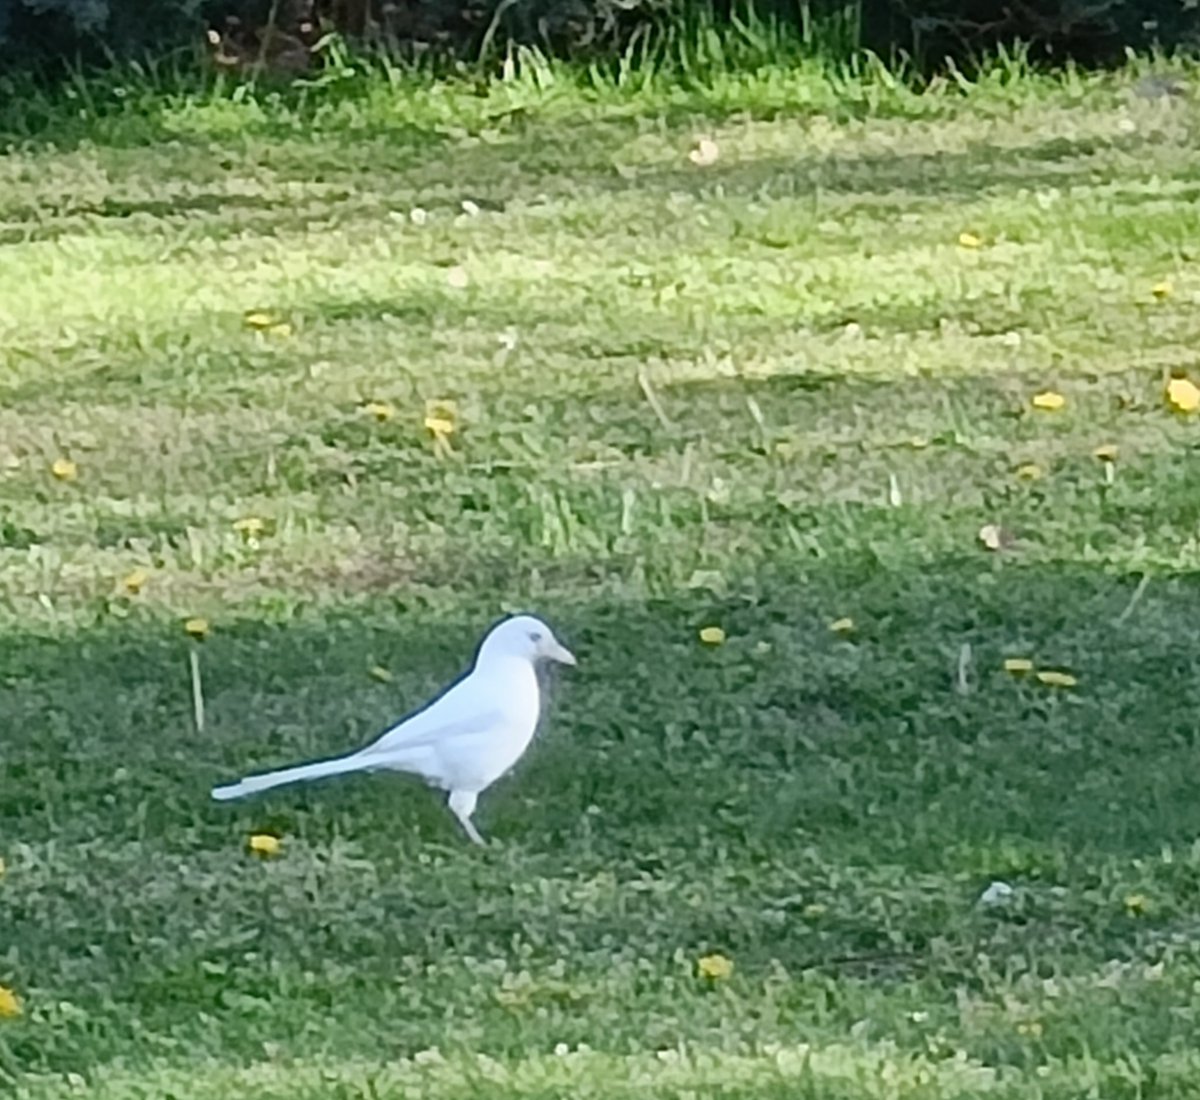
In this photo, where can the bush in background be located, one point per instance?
(1092, 31)
(50, 28)
(1095, 31)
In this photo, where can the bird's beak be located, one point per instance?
(561, 654)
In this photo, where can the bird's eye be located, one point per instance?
(535, 637)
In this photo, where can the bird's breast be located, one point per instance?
(478, 761)
(515, 689)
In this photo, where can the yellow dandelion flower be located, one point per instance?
(1106, 452)
(1048, 400)
(134, 581)
(10, 1004)
(259, 319)
(264, 844)
(196, 628)
(1029, 471)
(64, 469)
(1183, 395)
(249, 526)
(969, 240)
(712, 635)
(1018, 666)
(380, 410)
(1137, 905)
(714, 967)
(842, 626)
(1056, 679)
(1162, 290)
(441, 418)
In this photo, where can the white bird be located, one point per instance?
(464, 739)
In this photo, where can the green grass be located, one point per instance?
(763, 394)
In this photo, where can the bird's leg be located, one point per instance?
(462, 805)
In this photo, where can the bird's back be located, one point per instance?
(470, 736)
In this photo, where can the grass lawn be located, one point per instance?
(766, 393)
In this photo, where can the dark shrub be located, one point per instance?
(927, 30)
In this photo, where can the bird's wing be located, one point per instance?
(463, 710)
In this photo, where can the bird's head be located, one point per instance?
(525, 636)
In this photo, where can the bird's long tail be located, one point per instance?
(302, 772)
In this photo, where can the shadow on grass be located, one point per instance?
(556, 160)
(655, 726)
(682, 795)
